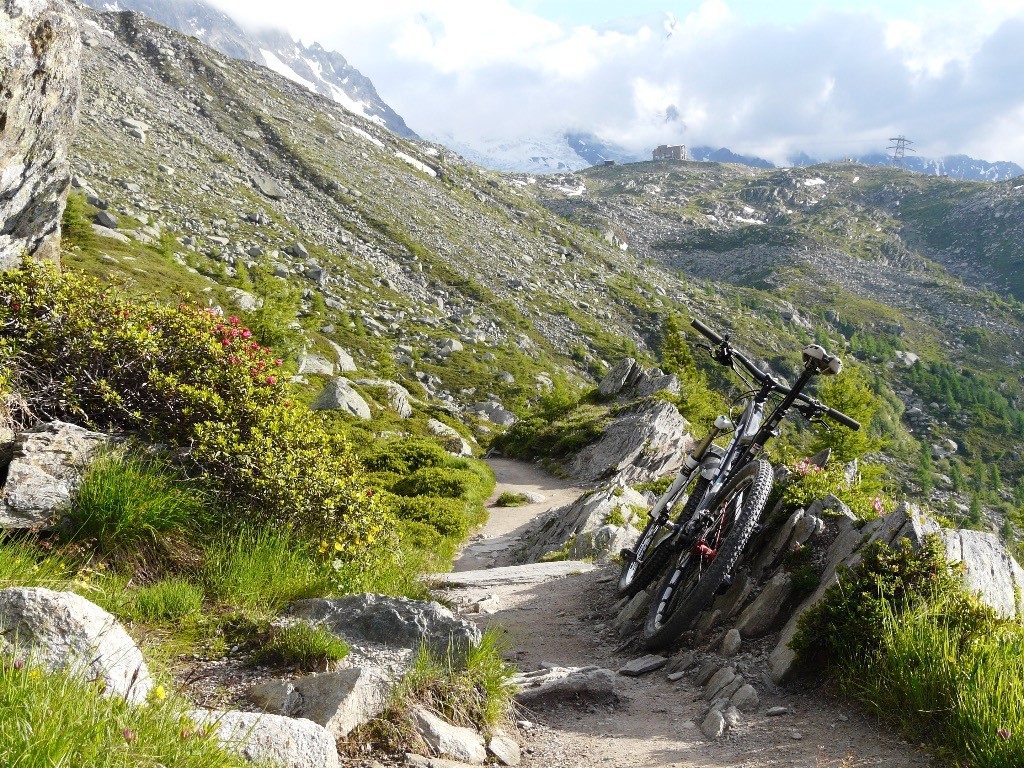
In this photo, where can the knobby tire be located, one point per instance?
(670, 615)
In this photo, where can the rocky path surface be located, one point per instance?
(562, 617)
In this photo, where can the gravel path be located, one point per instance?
(567, 622)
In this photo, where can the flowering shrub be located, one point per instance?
(79, 351)
(809, 482)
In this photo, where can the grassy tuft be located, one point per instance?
(51, 719)
(170, 600)
(302, 646)
(262, 570)
(23, 563)
(508, 499)
(130, 505)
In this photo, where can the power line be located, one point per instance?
(900, 146)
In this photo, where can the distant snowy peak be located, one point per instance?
(314, 67)
(550, 154)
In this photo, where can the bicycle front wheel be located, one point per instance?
(690, 586)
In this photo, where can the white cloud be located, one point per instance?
(829, 83)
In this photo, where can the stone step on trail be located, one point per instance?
(533, 573)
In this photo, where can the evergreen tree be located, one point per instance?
(925, 469)
(851, 393)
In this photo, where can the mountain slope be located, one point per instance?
(325, 72)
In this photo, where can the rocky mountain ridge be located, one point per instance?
(322, 71)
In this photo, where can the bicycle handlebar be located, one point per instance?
(765, 378)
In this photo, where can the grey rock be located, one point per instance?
(110, 234)
(732, 718)
(40, 47)
(392, 621)
(505, 749)
(578, 523)
(453, 441)
(399, 398)
(706, 671)
(758, 618)
(566, 685)
(731, 643)
(268, 187)
(339, 395)
(714, 725)
(532, 573)
(643, 665)
(989, 571)
(778, 711)
(46, 469)
(243, 299)
(718, 682)
(297, 250)
(107, 219)
(339, 701)
(647, 442)
(346, 362)
(634, 610)
(64, 631)
(449, 740)
(283, 742)
(745, 698)
(623, 375)
(317, 365)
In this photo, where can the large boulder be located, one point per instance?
(989, 570)
(339, 701)
(39, 79)
(594, 526)
(391, 621)
(622, 376)
(64, 631)
(272, 740)
(557, 686)
(399, 398)
(462, 744)
(647, 442)
(340, 395)
(47, 467)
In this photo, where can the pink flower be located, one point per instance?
(1003, 734)
(129, 735)
(233, 320)
(225, 342)
(279, 362)
(19, 663)
(246, 333)
(877, 504)
(271, 379)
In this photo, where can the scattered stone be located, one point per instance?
(339, 395)
(675, 677)
(107, 220)
(621, 376)
(505, 749)
(796, 735)
(339, 701)
(449, 740)
(454, 442)
(283, 742)
(643, 665)
(718, 682)
(269, 188)
(778, 711)
(683, 662)
(714, 725)
(758, 618)
(731, 643)
(706, 671)
(318, 365)
(566, 685)
(732, 718)
(488, 604)
(392, 621)
(46, 469)
(64, 631)
(243, 299)
(745, 699)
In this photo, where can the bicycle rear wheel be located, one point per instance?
(656, 545)
(689, 587)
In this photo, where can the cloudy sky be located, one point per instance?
(828, 77)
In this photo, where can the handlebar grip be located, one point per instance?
(706, 331)
(843, 419)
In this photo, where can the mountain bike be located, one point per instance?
(698, 528)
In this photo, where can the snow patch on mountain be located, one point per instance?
(275, 64)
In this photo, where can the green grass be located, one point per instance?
(301, 646)
(51, 720)
(262, 570)
(24, 563)
(170, 600)
(132, 507)
(509, 499)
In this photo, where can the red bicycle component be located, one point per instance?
(705, 551)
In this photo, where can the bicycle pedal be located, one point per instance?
(725, 585)
(627, 554)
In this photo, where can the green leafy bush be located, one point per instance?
(436, 481)
(807, 483)
(446, 516)
(302, 646)
(405, 456)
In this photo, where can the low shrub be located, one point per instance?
(53, 719)
(446, 516)
(509, 499)
(444, 482)
(169, 600)
(864, 494)
(405, 456)
(301, 646)
(537, 436)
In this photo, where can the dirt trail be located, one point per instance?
(567, 622)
